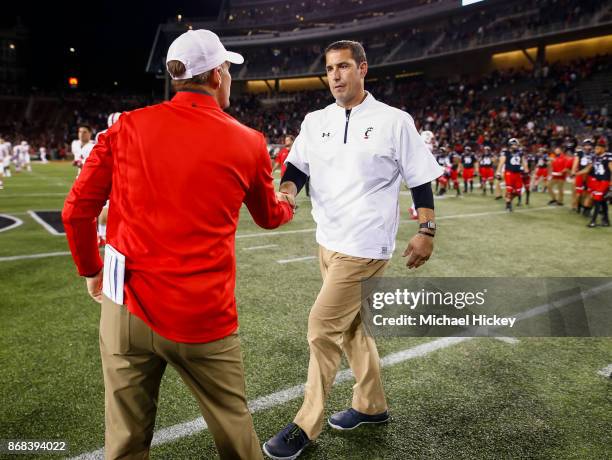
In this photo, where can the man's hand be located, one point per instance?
(282, 196)
(94, 286)
(419, 250)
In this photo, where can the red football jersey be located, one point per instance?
(280, 159)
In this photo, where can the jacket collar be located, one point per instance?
(363, 105)
(196, 98)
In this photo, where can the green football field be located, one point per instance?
(469, 398)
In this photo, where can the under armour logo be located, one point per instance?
(325, 134)
(367, 133)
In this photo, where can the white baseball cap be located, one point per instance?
(200, 51)
(112, 118)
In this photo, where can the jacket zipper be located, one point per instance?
(348, 115)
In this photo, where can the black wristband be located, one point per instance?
(422, 196)
(293, 174)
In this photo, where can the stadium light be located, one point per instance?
(179, 17)
(73, 82)
(72, 50)
(12, 46)
(116, 83)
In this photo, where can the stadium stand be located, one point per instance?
(467, 100)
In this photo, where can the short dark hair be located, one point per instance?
(357, 51)
(86, 126)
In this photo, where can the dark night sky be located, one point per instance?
(112, 39)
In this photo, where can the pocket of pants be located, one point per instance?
(115, 327)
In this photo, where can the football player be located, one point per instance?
(599, 171)
(485, 169)
(5, 148)
(527, 174)
(3, 153)
(82, 147)
(103, 217)
(455, 161)
(281, 156)
(442, 181)
(514, 163)
(541, 174)
(582, 159)
(468, 161)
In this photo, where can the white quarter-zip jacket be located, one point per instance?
(356, 161)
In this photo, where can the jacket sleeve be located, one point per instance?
(260, 198)
(83, 205)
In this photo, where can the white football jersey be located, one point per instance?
(81, 151)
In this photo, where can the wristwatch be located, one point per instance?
(429, 225)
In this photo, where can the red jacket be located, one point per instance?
(559, 166)
(280, 159)
(179, 172)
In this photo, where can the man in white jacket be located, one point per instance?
(356, 152)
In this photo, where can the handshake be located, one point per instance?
(284, 196)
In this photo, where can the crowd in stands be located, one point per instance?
(53, 119)
(485, 109)
(539, 107)
(508, 21)
(308, 13)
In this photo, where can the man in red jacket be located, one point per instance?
(168, 278)
(559, 170)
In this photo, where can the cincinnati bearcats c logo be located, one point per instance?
(367, 133)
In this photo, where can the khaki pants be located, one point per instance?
(134, 359)
(334, 326)
(555, 189)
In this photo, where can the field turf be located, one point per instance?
(481, 398)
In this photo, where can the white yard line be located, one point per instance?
(181, 430)
(310, 230)
(510, 340)
(280, 232)
(265, 246)
(35, 256)
(297, 259)
(16, 222)
(488, 213)
(44, 224)
(192, 427)
(19, 195)
(18, 213)
(606, 371)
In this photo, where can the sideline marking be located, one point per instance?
(19, 195)
(308, 230)
(35, 256)
(266, 246)
(297, 259)
(606, 371)
(181, 430)
(280, 232)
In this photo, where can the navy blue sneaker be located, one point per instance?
(287, 444)
(350, 419)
